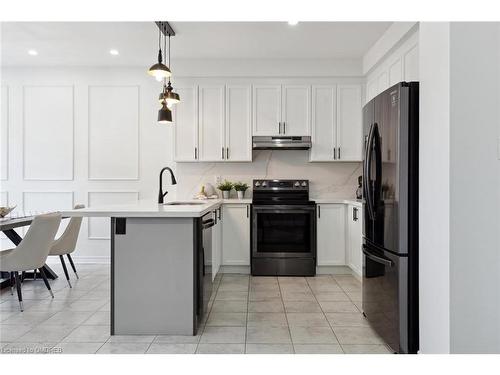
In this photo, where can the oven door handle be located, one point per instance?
(284, 208)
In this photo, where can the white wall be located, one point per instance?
(459, 188)
(474, 166)
(434, 188)
(104, 145)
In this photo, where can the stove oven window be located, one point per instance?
(283, 232)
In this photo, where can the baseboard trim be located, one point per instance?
(235, 269)
(333, 270)
(82, 259)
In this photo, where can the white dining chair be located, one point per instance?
(66, 244)
(32, 251)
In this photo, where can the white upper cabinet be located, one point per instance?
(266, 109)
(211, 123)
(336, 123)
(324, 119)
(185, 118)
(349, 127)
(281, 110)
(296, 110)
(238, 143)
(331, 240)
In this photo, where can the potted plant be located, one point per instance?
(240, 188)
(225, 187)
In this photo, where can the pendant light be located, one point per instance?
(168, 93)
(164, 114)
(159, 70)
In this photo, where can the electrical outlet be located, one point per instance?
(218, 179)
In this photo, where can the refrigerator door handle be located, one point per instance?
(366, 177)
(385, 262)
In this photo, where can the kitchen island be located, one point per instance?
(160, 279)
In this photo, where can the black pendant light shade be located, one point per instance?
(164, 114)
(159, 70)
(169, 95)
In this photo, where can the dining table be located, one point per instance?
(8, 226)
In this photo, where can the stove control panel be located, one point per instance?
(281, 184)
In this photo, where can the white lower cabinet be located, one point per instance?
(354, 238)
(217, 243)
(236, 235)
(331, 249)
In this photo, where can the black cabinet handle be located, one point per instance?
(279, 127)
(220, 213)
(339, 153)
(196, 152)
(335, 153)
(284, 128)
(354, 214)
(227, 153)
(248, 210)
(319, 211)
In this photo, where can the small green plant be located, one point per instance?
(240, 186)
(225, 186)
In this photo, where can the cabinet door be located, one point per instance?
(216, 244)
(211, 123)
(266, 109)
(185, 124)
(354, 230)
(331, 235)
(236, 235)
(238, 123)
(296, 110)
(324, 102)
(349, 129)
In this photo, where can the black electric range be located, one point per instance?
(283, 230)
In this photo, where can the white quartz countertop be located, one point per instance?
(146, 208)
(356, 202)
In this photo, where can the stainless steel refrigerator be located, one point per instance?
(390, 220)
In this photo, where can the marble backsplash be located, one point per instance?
(327, 180)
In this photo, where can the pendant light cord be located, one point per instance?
(160, 57)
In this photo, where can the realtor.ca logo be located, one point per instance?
(31, 350)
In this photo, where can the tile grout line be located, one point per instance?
(286, 315)
(248, 302)
(334, 334)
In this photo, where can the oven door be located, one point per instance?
(283, 231)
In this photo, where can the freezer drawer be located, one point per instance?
(385, 296)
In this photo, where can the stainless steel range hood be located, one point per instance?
(281, 143)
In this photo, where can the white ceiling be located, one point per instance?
(88, 43)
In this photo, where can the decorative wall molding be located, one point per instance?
(120, 106)
(48, 135)
(4, 135)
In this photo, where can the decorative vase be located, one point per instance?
(225, 194)
(241, 194)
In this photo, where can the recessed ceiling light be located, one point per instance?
(293, 23)
(32, 52)
(114, 52)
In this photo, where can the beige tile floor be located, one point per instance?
(253, 315)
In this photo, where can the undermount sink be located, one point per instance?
(184, 203)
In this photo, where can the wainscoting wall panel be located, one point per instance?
(48, 132)
(39, 202)
(98, 227)
(4, 133)
(113, 137)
